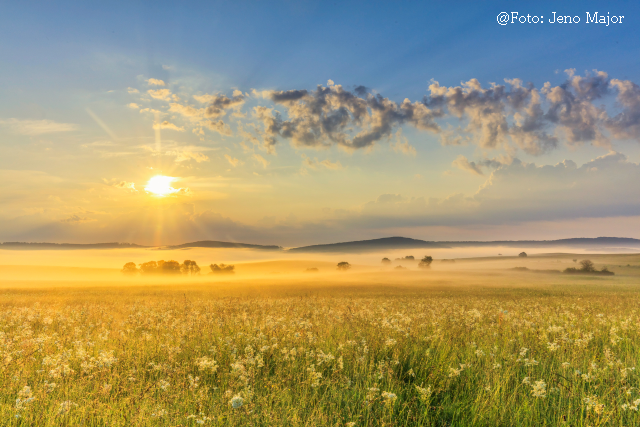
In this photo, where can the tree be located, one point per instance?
(344, 266)
(190, 268)
(149, 267)
(425, 262)
(587, 266)
(130, 268)
(522, 254)
(386, 261)
(222, 269)
(170, 267)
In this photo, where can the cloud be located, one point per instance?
(315, 164)
(162, 94)
(132, 90)
(183, 155)
(126, 185)
(220, 127)
(464, 164)
(167, 125)
(156, 82)
(150, 110)
(233, 161)
(264, 162)
(75, 219)
(626, 124)
(402, 145)
(327, 116)
(36, 127)
(133, 105)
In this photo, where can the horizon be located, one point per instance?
(323, 244)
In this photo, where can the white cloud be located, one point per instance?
(167, 125)
(36, 127)
(233, 161)
(156, 82)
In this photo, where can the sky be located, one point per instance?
(308, 122)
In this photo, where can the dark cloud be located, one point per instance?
(332, 115)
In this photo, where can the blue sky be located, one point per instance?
(62, 163)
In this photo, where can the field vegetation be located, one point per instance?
(458, 344)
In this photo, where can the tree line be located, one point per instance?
(187, 268)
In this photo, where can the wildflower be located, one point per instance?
(389, 398)
(424, 393)
(523, 351)
(539, 389)
(372, 394)
(350, 424)
(389, 342)
(566, 364)
(25, 393)
(497, 366)
(163, 384)
(479, 353)
(453, 372)
(207, 364)
(236, 401)
(526, 380)
(159, 412)
(65, 407)
(552, 346)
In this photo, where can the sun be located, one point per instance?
(160, 185)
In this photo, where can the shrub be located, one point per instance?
(344, 266)
(222, 269)
(425, 262)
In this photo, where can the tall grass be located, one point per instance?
(501, 357)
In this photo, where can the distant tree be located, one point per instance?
(312, 270)
(344, 266)
(407, 258)
(587, 266)
(171, 267)
(150, 267)
(386, 261)
(222, 269)
(522, 254)
(399, 267)
(190, 268)
(130, 268)
(575, 260)
(425, 262)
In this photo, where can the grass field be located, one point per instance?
(471, 343)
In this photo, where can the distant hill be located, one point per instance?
(371, 245)
(66, 246)
(407, 243)
(575, 242)
(386, 243)
(215, 244)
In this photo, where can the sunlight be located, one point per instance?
(160, 186)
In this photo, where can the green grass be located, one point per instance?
(325, 355)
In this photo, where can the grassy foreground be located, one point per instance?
(334, 356)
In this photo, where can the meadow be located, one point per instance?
(470, 343)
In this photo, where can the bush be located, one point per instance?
(344, 266)
(222, 269)
(522, 254)
(425, 262)
(386, 261)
